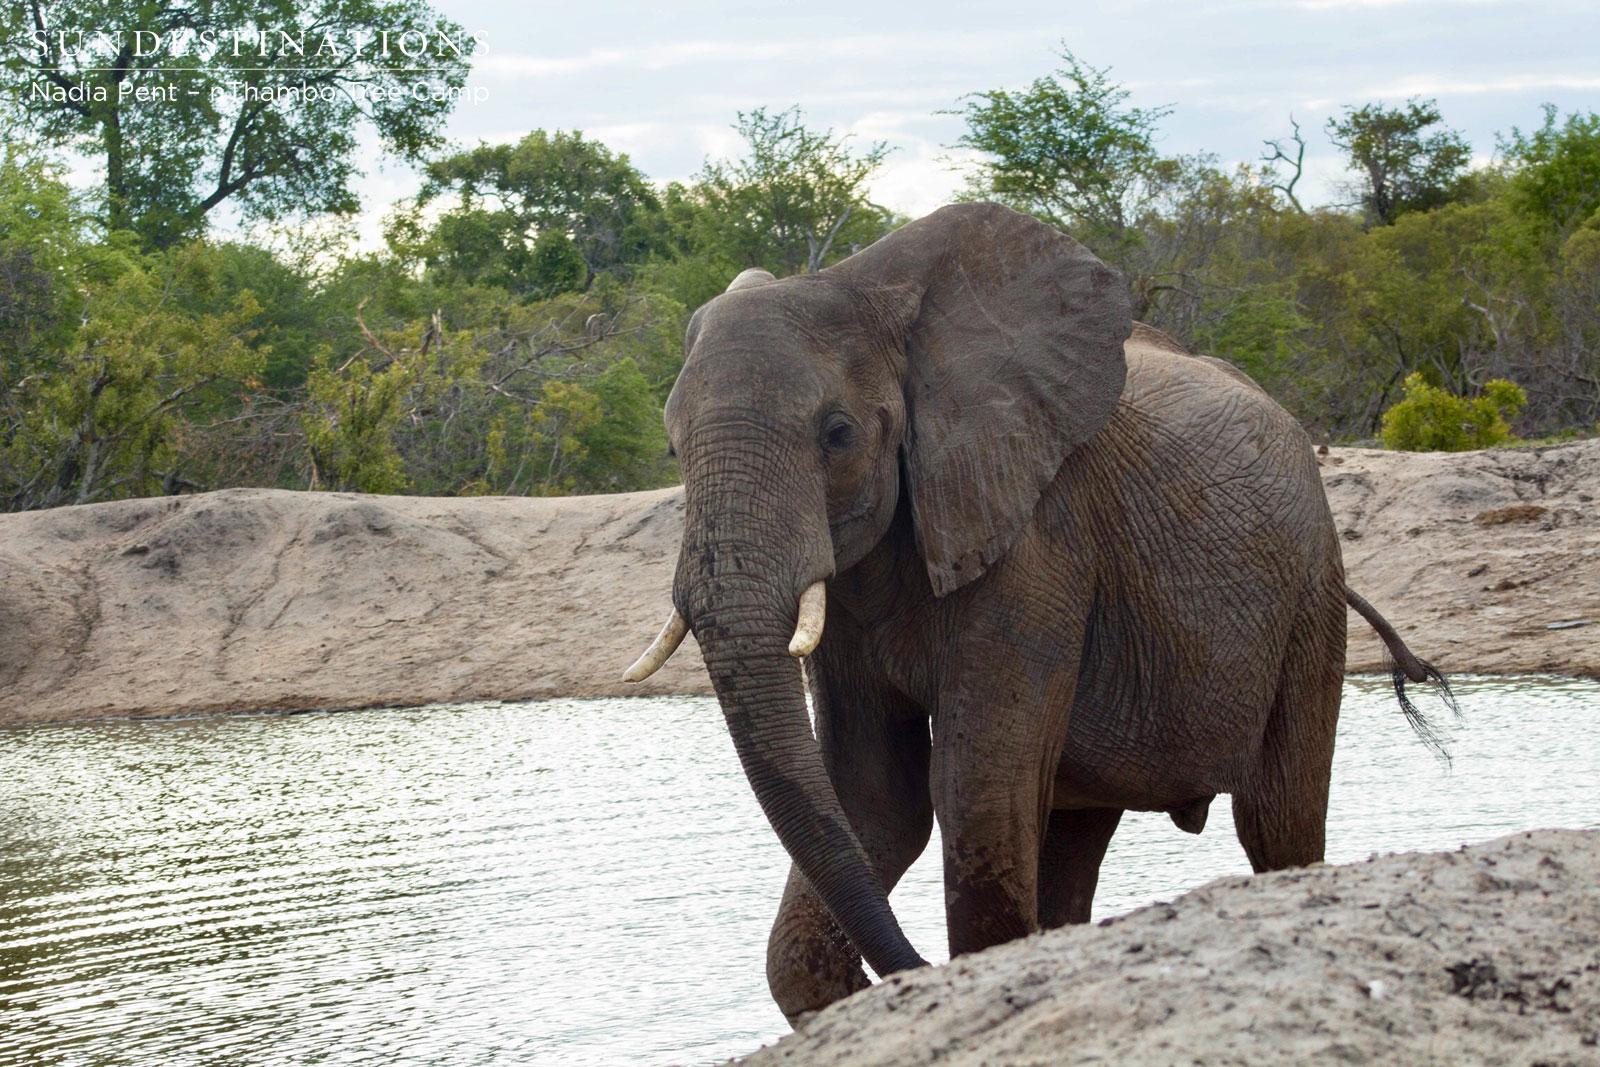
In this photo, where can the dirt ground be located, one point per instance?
(1487, 956)
(264, 599)
(1482, 560)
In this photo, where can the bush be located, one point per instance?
(1428, 419)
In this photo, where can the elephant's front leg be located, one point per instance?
(875, 746)
(997, 737)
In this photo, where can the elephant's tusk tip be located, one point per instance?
(808, 627)
(665, 644)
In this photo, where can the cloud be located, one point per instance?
(1329, 5)
(917, 179)
(1435, 85)
(654, 57)
(669, 55)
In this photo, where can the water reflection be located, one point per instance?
(572, 882)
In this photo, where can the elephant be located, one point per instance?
(1036, 564)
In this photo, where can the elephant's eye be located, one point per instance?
(838, 432)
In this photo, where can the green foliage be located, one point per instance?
(538, 217)
(1428, 419)
(95, 414)
(270, 124)
(1068, 149)
(524, 326)
(1259, 329)
(627, 445)
(40, 240)
(556, 265)
(1203, 247)
(577, 407)
(350, 421)
(795, 202)
(1401, 169)
(1556, 170)
(696, 261)
(287, 332)
(551, 397)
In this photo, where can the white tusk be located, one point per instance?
(808, 628)
(660, 650)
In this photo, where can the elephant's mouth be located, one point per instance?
(807, 633)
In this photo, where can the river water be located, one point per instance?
(560, 882)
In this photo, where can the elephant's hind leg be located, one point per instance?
(1281, 811)
(1069, 863)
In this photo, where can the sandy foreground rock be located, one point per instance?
(1486, 956)
(265, 599)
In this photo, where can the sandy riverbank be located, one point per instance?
(265, 599)
(1489, 955)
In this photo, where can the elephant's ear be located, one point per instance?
(1014, 358)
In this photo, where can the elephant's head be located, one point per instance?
(957, 361)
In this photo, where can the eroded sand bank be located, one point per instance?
(265, 599)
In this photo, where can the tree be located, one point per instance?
(526, 210)
(41, 240)
(1209, 268)
(350, 419)
(1297, 163)
(1067, 149)
(1555, 170)
(1401, 169)
(796, 199)
(96, 416)
(256, 103)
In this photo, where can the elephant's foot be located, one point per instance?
(810, 962)
(807, 977)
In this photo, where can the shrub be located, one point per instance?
(1429, 419)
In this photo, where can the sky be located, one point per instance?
(662, 82)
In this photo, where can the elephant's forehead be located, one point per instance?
(769, 372)
(773, 353)
(773, 336)
(806, 305)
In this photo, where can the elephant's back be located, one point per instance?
(1194, 429)
(1183, 393)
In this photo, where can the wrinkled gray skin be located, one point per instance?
(1101, 568)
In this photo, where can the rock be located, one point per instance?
(265, 599)
(1515, 515)
(1488, 955)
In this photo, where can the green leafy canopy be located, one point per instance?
(1067, 148)
(260, 104)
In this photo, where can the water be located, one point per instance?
(565, 882)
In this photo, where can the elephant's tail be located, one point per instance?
(1403, 667)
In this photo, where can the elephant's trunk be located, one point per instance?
(742, 569)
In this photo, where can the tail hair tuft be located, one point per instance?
(1431, 733)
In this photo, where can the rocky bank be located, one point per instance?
(1486, 956)
(264, 599)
